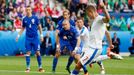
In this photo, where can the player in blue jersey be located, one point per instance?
(66, 15)
(68, 37)
(31, 24)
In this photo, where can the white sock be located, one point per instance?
(101, 58)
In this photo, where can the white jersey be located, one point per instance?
(97, 32)
(84, 36)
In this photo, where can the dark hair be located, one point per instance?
(80, 18)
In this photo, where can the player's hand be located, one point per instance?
(64, 37)
(111, 46)
(58, 48)
(41, 39)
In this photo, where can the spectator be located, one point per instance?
(10, 7)
(46, 45)
(2, 19)
(116, 7)
(114, 24)
(38, 8)
(50, 24)
(116, 43)
(122, 23)
(17, 23)
(73, 16)
(131, 49)
(44, 21)
(130, 21)
(107, 5)
(133, 5)
(124, 7)
(130, 4)
(55, 13)
(8, 25)
(12, 15)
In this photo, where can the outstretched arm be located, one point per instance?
(107, 16)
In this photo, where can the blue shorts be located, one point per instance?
(32, 45)
(63, 44)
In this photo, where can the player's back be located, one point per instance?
(31, 25)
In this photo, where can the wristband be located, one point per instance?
(57, 46)
(41, 35)
(76, 48)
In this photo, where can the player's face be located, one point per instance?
(80, 23)
(90, 14)
(28, 10)
(66, 26)
(65, 15)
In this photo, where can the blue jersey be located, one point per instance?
(71, 35)
(31, 25)
(60, 23)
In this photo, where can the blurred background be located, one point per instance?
(50, 12)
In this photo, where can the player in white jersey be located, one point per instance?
(96, 36)
(84, 36)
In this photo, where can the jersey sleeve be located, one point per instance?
(77, 34)
(59, 25)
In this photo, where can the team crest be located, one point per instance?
(33, 21)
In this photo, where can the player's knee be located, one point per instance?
(79, 65)
(37, 53)
(57, 55)
(28, 53)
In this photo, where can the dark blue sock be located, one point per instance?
(28, 62)
(75, 72)
(84, 69)
(39, 61)
(70, 61)
(55, 60)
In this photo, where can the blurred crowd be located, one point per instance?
(50, 11)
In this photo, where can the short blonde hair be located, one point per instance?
(91, 8)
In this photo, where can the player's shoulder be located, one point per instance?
(24, 18)
(34, 16)
(73, 29)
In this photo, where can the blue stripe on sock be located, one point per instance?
(55, 60)
(92, 57)
(28, 62)
(39, 61)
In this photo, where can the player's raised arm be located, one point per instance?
(109, 39)
(107, 16)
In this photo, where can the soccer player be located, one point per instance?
(31, 24)
(68, 37)
(66, 16)
(84, 36)
(96, 35)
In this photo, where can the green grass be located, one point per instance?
(16, 66)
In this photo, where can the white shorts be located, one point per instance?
(88, 55)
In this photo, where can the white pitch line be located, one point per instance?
(13, 71)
